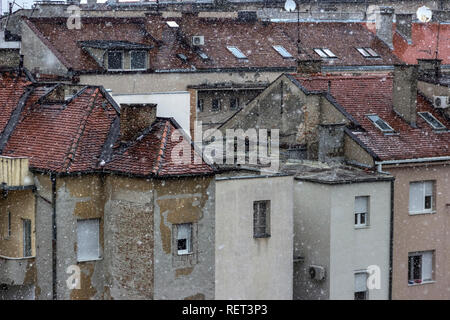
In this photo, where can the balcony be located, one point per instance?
(15, 174)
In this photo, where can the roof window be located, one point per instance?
(380, 123)
(432, 121)
(236, 52)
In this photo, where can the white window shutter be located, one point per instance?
(428, 188)
(427, 266)
(361, 204)
(360, 282)
(416, 197)
(88, 246)
(184, 231)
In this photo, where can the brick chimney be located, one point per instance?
(404, 92)
(404, 26)
(135, 118)
(384, 25)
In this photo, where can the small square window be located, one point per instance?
(361, 211)
(420, 267)
(88, 243)
(115, 60)
(184, 238)
(261, 219)
(138, 60)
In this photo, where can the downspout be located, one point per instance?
(54, 234)
(391, 242)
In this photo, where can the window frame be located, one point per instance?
(366, 292)
(282, 51)
(390, 130)
(27, 237)
(235, 99)
(411, 268)
(322, 52)
(189, 246)
(237, 53)
(367, 52)
(219, 104)
(421, 114)
(145, 60)
(86, 257)
(366, 214)
(257, 217)
(423, 210)
(122, 52)
(200, 104)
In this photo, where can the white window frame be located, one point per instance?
(184, 232)
(365, 274)
(421, 114)
(282, 51)
(359, 213)
(123, 58)
(427, 267)
(325, 53)
(96, 255)
(390, 130)
(368, 52)
(236, 52)
(425, 193)
(131, 58)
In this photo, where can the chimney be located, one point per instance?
(135, 118)
(404, 92)
(429, 69)
(404, 25)
(384, 25)
(309, 66)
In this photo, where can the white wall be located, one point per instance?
(169, 104)
(245, 267)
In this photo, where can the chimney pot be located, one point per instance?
(384, 25)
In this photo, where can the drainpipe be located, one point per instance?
(391, 242)
(54, 258)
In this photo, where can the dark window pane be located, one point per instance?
(138, 59)
(363, 218)
(215, 104)
(427, 202)
(361, 295)
(200, 105)
(356, 218)
(234, 103)
(417, 267)
(114, 60)
(182, 244)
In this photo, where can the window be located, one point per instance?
(138, 60)
(184, 238)
(432, 121)
(361, 286)
(234, 103)
(261, 219)
(215, 105)
(26, 237)
(420, 267)
(361, 211)
(115, 60)
(203, 55)
(325, 53)
(88, 244)
(182, 57)
(282, 51)
(200, 103)
(421, 197)
(368, 52)
(237, 53)
(172, 24)
(380, 123)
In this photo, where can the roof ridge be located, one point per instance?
(162, 147)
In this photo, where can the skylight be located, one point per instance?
(203, 55)
(182, 57)
(432, 121)
(380, 123)
(282, 51)
(172, 24)
(368, 52)
(236, 52)
(325, 53)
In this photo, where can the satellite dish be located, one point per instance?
(290, 5)
(424, 14)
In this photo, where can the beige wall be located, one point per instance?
(421, 232)
(246, 267)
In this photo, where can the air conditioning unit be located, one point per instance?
(441, 102)
(198, 40)
(317, 272)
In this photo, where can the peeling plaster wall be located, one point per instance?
(185, 200)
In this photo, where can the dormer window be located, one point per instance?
(282, 51)
(137, 60)
(432, 121)
(380, 123)
(368, 52)
(237, 53)
(115, 60)
(325, 53)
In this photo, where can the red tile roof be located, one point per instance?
(366, 94)
(254, 39)
(78, 135)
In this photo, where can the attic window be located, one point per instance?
(182, 57)
(325, 53)
(282, 51)
(203, 55)
(368, 52)
(172, 24)
(115, 60)
(432, 121)
(380, 123)
(237, 53)
(138, 60)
